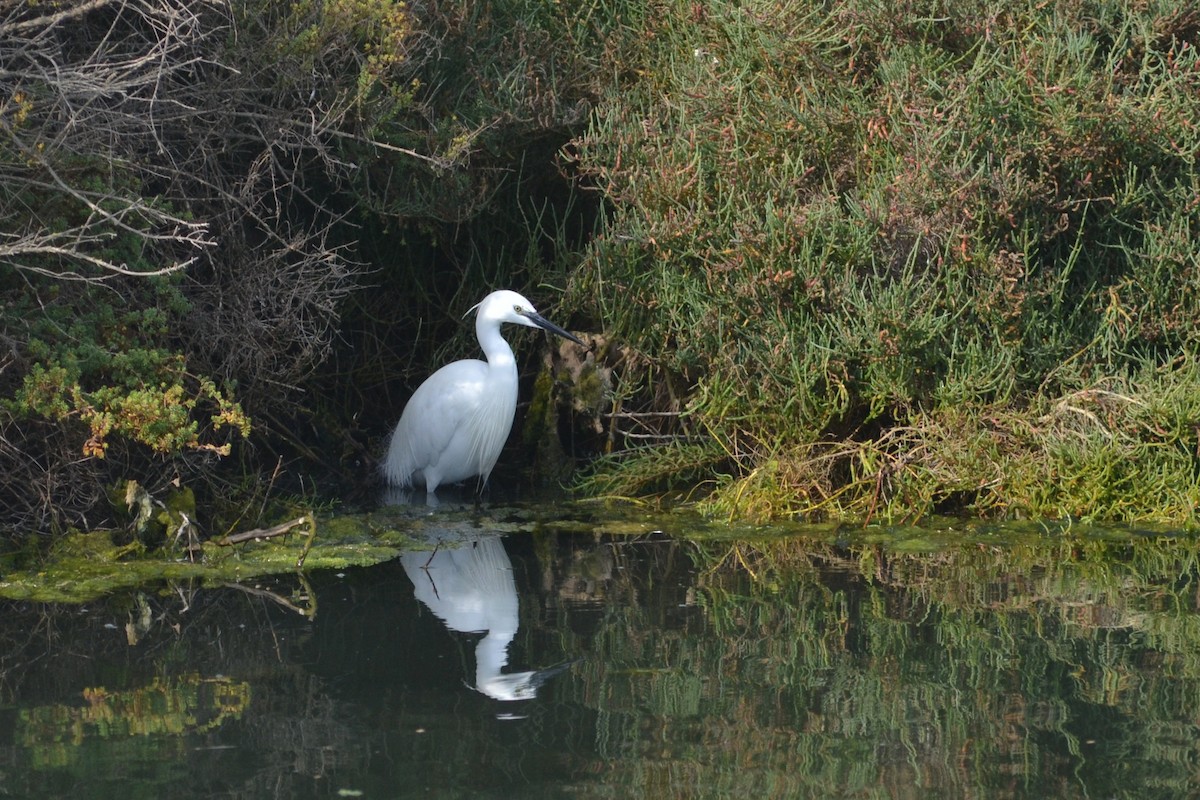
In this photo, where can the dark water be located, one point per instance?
(572, 663)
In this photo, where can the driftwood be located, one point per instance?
(278, 530)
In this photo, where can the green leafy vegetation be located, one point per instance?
(94, 366)
(907, 258)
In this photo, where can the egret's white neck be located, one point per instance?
(495, 349)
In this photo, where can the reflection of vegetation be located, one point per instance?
(176, 706)
(215, 675)
(1015, 665)
(960, 661)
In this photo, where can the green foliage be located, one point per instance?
(110, 369)
(865, 232)
(463, 190)
(364, 43)
(657, 470)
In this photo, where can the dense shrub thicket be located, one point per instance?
(222, 222)
(909, 257)
(857, 259)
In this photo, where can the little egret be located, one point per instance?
(457, 421)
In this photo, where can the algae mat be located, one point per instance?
(83, 566)
(80, 567)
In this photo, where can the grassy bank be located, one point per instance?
(904, 258)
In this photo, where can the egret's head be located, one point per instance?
(508, 306)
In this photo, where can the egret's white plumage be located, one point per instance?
(457, 421)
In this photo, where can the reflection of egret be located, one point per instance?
(468, 583)
(457, 421)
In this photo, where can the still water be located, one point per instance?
(581, 658)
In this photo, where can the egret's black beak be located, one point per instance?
(545, 324)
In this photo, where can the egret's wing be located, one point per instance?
(439, 407)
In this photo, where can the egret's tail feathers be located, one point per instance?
(398, 467)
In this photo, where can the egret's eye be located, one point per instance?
(519, 310)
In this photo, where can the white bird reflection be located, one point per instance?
(467, 582)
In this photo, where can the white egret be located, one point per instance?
(457, 421)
